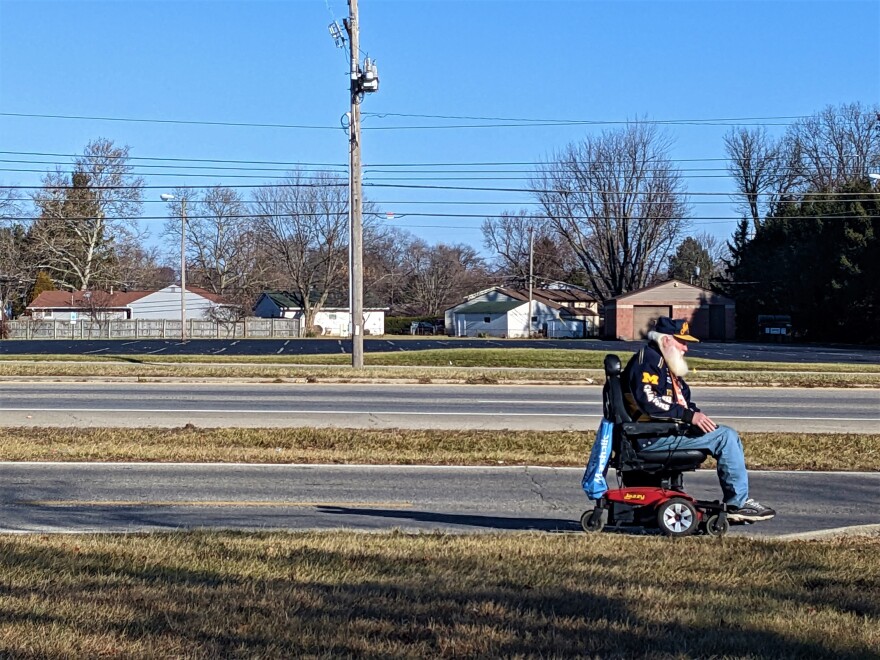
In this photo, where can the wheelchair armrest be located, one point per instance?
(648, 429)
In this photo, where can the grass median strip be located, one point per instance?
(783, 451)
(485, 365)
(206, 595)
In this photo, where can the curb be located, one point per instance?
(826, 534)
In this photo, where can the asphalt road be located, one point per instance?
(363, 405)
(791, 353)
(95, 497)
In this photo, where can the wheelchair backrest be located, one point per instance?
(612, 394)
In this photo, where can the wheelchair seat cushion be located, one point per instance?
(681, 459)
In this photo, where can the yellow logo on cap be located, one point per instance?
(684, 328)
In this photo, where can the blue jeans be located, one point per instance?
(726, 448)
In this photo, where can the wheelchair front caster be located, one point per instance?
(594, 520)
(717, 527)
(677, 517)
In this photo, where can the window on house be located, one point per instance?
(332, 317)
(47, 314)
(487, 319)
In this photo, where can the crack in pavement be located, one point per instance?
(538, 489)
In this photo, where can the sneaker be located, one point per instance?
(750, 511)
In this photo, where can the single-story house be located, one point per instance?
(632, 315)
(559, 311)
(329, 321)
(122, 305)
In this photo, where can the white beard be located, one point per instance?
(674, 360)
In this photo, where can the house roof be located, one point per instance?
(204, 293)
(79, 299)
(560, 299)
(490, 307)
(282, 299)
(677, 283)
(103, 299)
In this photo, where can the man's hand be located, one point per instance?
(703, 423)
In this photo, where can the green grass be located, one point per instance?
(784, 451)
(210, 595)
(506, 358)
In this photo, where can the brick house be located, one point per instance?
(632, 315)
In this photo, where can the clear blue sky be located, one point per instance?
(275, 63)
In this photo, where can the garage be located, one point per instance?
(632, 315)
(645, 316)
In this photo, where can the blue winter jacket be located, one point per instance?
(647, 389)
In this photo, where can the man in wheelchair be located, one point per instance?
(654, 390)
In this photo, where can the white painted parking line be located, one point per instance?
(469, 413)
(214, 411)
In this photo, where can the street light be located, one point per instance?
(165, 197)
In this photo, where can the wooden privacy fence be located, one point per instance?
(252, 328)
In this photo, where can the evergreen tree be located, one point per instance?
(816, 259)
(692, 263)
(42, 283)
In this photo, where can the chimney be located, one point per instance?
(111, 289)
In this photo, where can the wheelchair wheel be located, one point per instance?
(715, 529)
(677, 517)
(591, 526)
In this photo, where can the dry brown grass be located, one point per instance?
(209, 595)
(797, 451)
(487, 365)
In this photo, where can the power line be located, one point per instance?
(528, 176)
(187, 187)
(373, 165)
(846, 215)
(802, 196)
(173, 159)
(185, 122)
(499, 122)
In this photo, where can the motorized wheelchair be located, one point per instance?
(650, 495)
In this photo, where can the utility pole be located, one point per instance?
(183, 269)
(357, 206)
(361, 83)
(531, 265)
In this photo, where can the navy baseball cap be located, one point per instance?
(678, 328)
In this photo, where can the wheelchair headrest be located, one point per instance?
(612, 396)
(612, 365)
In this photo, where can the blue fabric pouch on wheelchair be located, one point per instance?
(594, 483)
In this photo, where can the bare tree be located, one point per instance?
(98, 307)
(509, 237)
(85, 215)
(836, 146)
(303, 226)
(15, 272)
(140, 268)
(221, 240)
(441, 276)
(386, 267)
(757, 165)
(824, 151)
(618, 202)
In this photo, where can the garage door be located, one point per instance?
(644, 317)
(717, 322)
